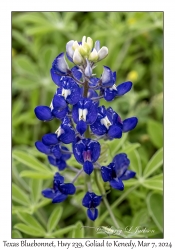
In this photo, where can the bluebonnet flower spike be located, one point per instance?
(82, 122)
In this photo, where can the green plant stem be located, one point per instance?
(105, 201)
(117, 202)
(77, 175)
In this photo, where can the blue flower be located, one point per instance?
(60, 162)
(69, 92)
(87, 152)
(84, 113)
(59, 65)
(60, 190)
(117, 171)
(43, 113)
(91, 201)
(126, 125)
(104, 125)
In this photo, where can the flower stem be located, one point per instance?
(77, 175)
(116, 203)
(105, 201)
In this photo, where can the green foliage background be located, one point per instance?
(135, 42)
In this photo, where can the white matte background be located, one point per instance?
(5, 96)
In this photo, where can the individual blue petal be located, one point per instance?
(95, 148)
(114, 132)
(59, 65)
(121, 164)
(109, 94)
(114, 74)
(88, 69)
(106, 174)
(50, 139)
(129, 124)
(81, 126)
(124, 88)
(92, 113)
(56, 151)
(67, 188)
(60, 114)
(86, 202)
(59, 197)
(61, 164)
(69, 50)
(68, 136)
(88, 167)
(43, 113)
(57, 79)
(78, 149)
(96, 201)
(97, 128)
(52, 161)
(48, 193)
(117, 184)
(42, 147)
(75, 94)
(59, 102)
(128, 175)
(75, 114)
(92, 213)
(93, 82)
(107, 77)
(76, 72)
(58, 178)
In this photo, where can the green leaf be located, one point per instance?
(115, 145)
(16, 234)
(129, 148)
(22, 83)
(36, 175)
(31, 222)
(155, 208)
(63, 231)
(140, 218)
(155, 183)
(24, 65)
(19, 196)
(54, 219)
(36, 187)
(155, 163)
(28, 230)
(17, 209)
(29, 161)
(155, 131)
(78, 232)
(135, 162)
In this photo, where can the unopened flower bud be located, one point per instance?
(102, 53)
(90, 42)
(93, 56)
(77, 58)
(75, 45)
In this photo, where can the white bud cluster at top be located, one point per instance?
(81, 53)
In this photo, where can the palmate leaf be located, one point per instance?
(20, 196)
(155, 131)
(37, 175)
(135, 162)
(54, 218)
(16, 234)
(29, 230)
(155, 162)
(154, 183)
(31, 222)
(29, 161)
(36, 187)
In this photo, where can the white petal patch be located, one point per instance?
(105, 121)
(82, 114)
(59, 131)
(113, 87)
(65, 93)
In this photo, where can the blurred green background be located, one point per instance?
(135, 43)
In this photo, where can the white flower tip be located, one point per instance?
(102, 53)
(77, 58)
